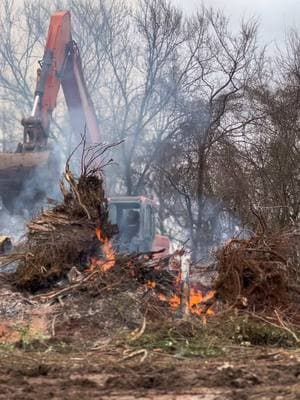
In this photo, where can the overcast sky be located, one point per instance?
(275, 16)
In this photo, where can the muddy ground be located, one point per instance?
(57, 372)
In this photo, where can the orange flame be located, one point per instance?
(108, 251)
(197, 301)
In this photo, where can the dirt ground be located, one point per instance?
(245, 373)
(75, 349)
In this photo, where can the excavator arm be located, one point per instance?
(60, 66)
(79, 103)
(27, 174)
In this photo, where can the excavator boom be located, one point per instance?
(60, 66)
(79, 103)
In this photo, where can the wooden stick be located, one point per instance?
(185, 291)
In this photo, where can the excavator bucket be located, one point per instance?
(24, 178)
(5, 244)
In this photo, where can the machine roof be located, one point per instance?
(132, 199)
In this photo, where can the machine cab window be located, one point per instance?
(126, 215)
(135, 221)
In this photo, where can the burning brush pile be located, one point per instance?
(68, 254)
(68, 258)
(67, 235)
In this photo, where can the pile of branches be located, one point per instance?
(259, 273)
(57, 256)
(141, 273)
(62, 237)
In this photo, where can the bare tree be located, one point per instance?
(221, 66)
(141, 84)
(260, 172)
(19, 41)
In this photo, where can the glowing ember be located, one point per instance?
(151, 284)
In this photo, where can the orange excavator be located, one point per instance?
(34, 165)
(61, 66)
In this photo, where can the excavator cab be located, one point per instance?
(135, 219)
